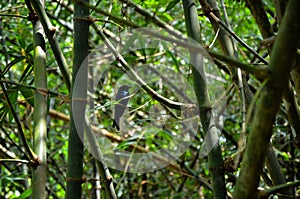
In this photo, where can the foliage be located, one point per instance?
(149, 123)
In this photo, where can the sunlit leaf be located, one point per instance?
(171, 5)
(26, 194)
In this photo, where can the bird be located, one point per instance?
(122, 99)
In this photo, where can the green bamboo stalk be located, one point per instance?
(78, 103)
(268, 104)
(50, 33)
(215, 161)
(40, 113)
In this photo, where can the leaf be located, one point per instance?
(28, 94)
(22, 42)
(142, 45)
(128, 46)
(3, 112)
(13, 98)
(166, 135)
(27, 72)
(125, 144)
(171, 5)
(154, 47)
(29, 48)
(129, 141)
(171, 55)
(26, 194)
(7, 68)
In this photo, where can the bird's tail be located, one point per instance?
(116, 125)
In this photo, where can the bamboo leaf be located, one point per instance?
(12, 63)
(171, 5)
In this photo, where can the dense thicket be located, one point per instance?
(213, 111)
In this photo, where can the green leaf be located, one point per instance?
(29, 48)
(171, 55)
(3, 112)
(28, 94)
(154, 47)
(142, 45)
(166, 135)
(7, 68)
(130, 141)
(27, 72)
(26, 194)
(127, 47)
(13, 98)
(171, 5)
(22, 42)
(125, 144)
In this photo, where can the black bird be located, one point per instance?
(122, 99)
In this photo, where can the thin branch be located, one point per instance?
(242, 138)
(116, 138)
(103, 169)
(137, 78)
(260, 73)
(120, 20)
(12, 142)
(15, 160)
(278, 188)
(43, 91)
(60, 21)
(209, 12)
(29, 153)
(155, 19)
(13, 8)
(14, 15)
(293, 113)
